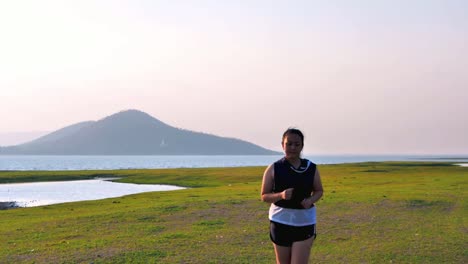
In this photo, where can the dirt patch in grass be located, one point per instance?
(421, 164)
(427, 204)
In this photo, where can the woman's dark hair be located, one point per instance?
(293, 131)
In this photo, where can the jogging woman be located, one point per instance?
(292, 185)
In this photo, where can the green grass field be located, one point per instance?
(370, 213)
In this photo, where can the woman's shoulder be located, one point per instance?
(307, 161)
(280, 161)
(308, 164)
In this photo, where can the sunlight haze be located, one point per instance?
(358, 77)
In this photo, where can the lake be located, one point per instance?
(54, 163)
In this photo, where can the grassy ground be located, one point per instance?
(370, 213)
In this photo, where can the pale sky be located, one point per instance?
(357, 77)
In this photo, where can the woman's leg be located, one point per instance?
(300, 251)
(283, 254)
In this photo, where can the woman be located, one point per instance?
(292, 185)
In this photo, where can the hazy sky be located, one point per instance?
(356, 76)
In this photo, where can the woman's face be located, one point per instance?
(292, 146)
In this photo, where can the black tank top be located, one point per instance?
(301, 179)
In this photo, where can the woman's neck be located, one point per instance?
(295, 161)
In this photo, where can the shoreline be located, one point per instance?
(11, 204)
(8, 205)
(74, 163)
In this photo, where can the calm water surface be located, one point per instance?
(20, 162)
(44, 193)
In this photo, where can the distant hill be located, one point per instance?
(19, 137)
(132, 132)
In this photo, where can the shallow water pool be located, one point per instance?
(45, 193)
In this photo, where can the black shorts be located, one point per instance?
(285, 235)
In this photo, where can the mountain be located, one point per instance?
(19, 137)
(133, 132)
(61, 133)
